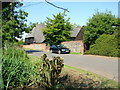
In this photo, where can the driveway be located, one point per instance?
(105, 66)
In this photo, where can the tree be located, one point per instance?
(57, 29)
(100, 23)
(13, 22)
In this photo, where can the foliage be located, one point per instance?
(19, 70)
(49, 70)
(100, 23)
(21, 42)
(32, 25)
(16, 67)
(57, 29)
(106, 45)
(13, 22)
(18, 43)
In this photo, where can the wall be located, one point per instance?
(75, 46)
(41, 46)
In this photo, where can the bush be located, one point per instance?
(48, 72)
(16, 67)
(51, 70)
(106, 45)
(19, 70)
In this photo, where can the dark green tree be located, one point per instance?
(13, 22)
(57, 29)
(100, 23)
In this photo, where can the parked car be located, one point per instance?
(59, 49)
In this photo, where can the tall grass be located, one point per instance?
(18, 70)
(16, 67)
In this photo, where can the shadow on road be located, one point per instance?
(32, 51)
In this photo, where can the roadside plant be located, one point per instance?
(105, 45)
(50, 71)
(16, 67)
(18, 70)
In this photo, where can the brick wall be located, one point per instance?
(41, 46)
(75, 46)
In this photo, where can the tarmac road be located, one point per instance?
(105, 66)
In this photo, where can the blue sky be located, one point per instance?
(79, 13)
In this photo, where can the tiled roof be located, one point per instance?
(29, 35)
(37, 33)
(75, 31)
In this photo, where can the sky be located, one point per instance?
(79, 14)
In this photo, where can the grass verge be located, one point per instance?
(105, 82)
(31, 49)
(75, 53)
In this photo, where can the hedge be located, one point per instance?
(105, 45)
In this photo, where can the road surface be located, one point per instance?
(105, 66)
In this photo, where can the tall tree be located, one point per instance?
(57, 29)
(100, 23)
(13, 22)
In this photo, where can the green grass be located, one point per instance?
(75, 53)
(16, 66)
(30, 49)
(33, 58)
(105, 81)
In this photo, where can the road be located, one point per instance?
(105, 66)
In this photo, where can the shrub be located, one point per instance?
(20, 42)
(48, 71)
(16, 67)
(106, 45)
(19, 70)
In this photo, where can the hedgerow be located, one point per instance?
(105, 45)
